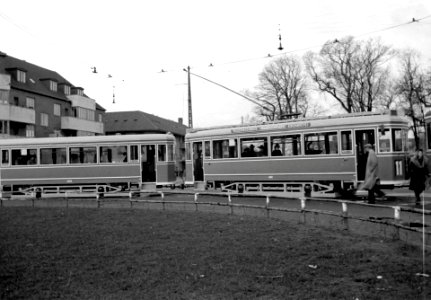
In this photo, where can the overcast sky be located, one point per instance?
(134, 40)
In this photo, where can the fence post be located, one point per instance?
(98, 200)
(303, 200)
(397, 219)
(162, 195)
(345, 215)
(267, 206)
(66, 196)
(130, 199)
(196, 201)
(229, 200)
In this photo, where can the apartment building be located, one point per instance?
(37, 102)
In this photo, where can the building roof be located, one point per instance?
(140, 122)
(34, 78)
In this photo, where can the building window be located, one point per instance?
(43, 119)
(53, 85)
(100, 118)
(29, 102)
(29, 130)
(21, 76)
(84, 113)
(66, 89)
(57, 109)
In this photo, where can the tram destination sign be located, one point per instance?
(272, 127)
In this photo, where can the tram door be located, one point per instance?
(363, 137)
(148, 163)
(198, 170)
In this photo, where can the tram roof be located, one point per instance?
(87, 139)
(336, 121)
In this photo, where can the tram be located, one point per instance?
(119, 161)
(324, 153)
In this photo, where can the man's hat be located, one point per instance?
(368, 146)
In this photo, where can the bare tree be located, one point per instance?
(281, 89)
(353, 72)
(414, 90)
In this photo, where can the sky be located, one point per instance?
(133, 41)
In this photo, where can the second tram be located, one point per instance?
(325, 152)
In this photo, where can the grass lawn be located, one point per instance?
(83, 253)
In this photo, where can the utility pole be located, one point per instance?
(189, 98)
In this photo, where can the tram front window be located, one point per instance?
(384, 140)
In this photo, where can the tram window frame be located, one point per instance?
(346, 143)
(188, 152)
(5, 159)
(285, 145)
(225, 148)
(207, 149)
(322, 144)
(134, 153)
(386, 133)
(83, 155)
(113, 154)
(254, 141)
(30, 158)
(55, 153)
(161, 153)
(401, 138)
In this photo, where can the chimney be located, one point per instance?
(180, 121)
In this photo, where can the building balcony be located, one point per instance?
(71, 123)
(17, 114)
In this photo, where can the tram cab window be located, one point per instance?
(321, 143)
(134, 153)
(170, 152)
(188, 152)
(384, 140)
(162, 152)
(225, 148)
(24, 157)
(346, 142)
(53, 156)
(207, 149)
(83, 155)
(398, 140)
(5, 157)
(289, 145)
(113, 154)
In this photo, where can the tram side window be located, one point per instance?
(225, 148)
(53, 156)
(289, 145)
(397, 140)
(24, 157)
(384, 140)
(5, 157)
(113, 154)
(162, 152)
(207, 149)
(346, 142)
(83, 155)
(134, 153)
(321, 143)
(188, 153)
(251, 147)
